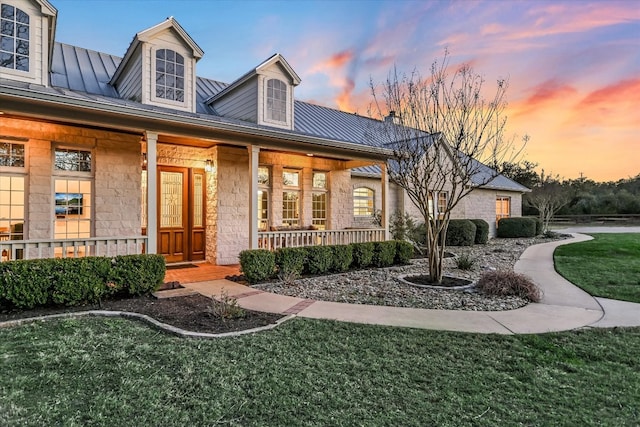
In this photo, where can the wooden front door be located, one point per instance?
(181, 225)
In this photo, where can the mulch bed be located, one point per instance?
(191, 313)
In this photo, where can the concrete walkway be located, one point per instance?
(563, 307)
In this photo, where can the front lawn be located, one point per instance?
(115, 372)
(607, 266)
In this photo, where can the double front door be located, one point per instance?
(181, 213)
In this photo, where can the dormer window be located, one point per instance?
(14, 38)
(276, 100)
(169, 75)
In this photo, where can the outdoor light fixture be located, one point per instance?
(144, 159)
(208, 165)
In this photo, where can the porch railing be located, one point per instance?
(273, 240)
(72, 248)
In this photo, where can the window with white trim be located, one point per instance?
(319, 200)
(264, 180)
(169, 75)
(363, 202)
(276, 100)
(12, 154)
(503, 207)
(12, 207)
(291, 198)
(14, 38)
(73, 201)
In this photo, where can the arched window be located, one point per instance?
(169, 75)
(14, 38)
(276, 100)
(363, 202)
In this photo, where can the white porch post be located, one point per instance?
(384, 176)
(152, 192)
(254, 153)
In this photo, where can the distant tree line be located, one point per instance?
(580, 196)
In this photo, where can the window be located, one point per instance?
(11, 208)
(11, 154)
(441, 206)
(263, 198)
(276, 100)
(319, 200)
(14, 38)
(71, 160)
(169, 75)
(72, 208)
(291, 198)
(363, 202)
(503, 207)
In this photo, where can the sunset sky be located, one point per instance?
(573, 66)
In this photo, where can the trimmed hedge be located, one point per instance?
(482, 231)
(362, 254)
(319, 259)
(73, 281)
(291, 260)
(461, 232)
(257, 265)
(404, 252)
(342, 257)
(517, 227)
(384, 253)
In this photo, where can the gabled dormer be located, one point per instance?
(27, 29)
(264, 95)
(159, 68)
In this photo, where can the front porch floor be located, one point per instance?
(200, 273)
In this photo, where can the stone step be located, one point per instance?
(170, 293)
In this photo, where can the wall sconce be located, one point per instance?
(144, 160)
(208, 165)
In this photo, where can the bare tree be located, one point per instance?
(548, 197)
(443, 133)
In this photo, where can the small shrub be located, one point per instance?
(507, 283)
(79, 280)
(257, 264)
(290, 260)
(482, 231)
(26, 283)
(465, 262)
(404, 252)
(517, 227)
(319, 259)
(362, 254)
(225, 308)
(384, 253)
(137, 274)
(288, 278)
(461, 232)
(342, 257)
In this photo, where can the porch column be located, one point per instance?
(254, 154)
(152, 192)
(384, 176)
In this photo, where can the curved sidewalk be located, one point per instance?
(563, 307)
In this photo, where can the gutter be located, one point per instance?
(96, 105)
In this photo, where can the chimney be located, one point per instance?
(392, 118)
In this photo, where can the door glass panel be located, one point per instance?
(198, 192)
(171, 199)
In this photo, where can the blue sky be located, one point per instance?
(573, 66)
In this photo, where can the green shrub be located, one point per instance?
(384, 253)
(319, 259)
(257, 264)
(362, 254)
(26, 283)
(342, 257)
(507, 283)
(461, 232)
(291, 260)
(137, 274)
(72, 281)
(404, 252)
(517, 227)
(482, 231)
(465, 262)
(539, 226)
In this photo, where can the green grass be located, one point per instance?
(116, 372)
(608, 266)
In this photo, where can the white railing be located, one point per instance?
(273, 240)
(72, 248)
